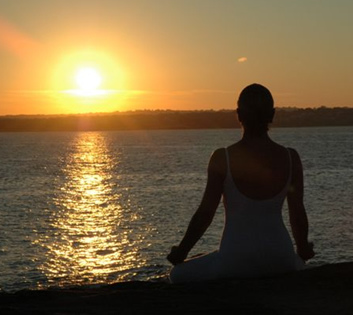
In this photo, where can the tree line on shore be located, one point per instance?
(168, 119)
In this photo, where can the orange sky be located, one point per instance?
(173, 54)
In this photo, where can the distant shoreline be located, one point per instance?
(168, 119)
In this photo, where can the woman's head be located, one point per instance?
(255, 108)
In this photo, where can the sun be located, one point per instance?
(88, 79)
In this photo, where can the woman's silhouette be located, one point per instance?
(254, 176)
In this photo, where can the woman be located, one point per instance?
(254, 176)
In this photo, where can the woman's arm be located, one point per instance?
(205, 212)
(297, 214)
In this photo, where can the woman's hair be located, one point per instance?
(255, 108)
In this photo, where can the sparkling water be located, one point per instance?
(99, 207)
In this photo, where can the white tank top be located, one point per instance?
(255, 240)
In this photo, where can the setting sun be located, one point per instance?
(88, 79)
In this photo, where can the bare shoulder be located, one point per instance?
(218, 154)
(297, 170)
(217, 162)
(295, 157)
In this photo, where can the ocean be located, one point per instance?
(86, 208)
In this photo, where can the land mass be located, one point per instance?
(322, 290)
(168, 119)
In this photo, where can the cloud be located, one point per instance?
(242, 59)
(15, 41)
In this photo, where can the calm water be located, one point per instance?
(100, 207)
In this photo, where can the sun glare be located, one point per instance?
(88, 79)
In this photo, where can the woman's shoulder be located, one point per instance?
(295, 157)
(218, 160)
(294, 154)
(219, 153)
(218, 156)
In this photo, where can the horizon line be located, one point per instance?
(137, 111)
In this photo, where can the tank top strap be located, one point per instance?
(290, 166)
(227, 158)
(228, 173)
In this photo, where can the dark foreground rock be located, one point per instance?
(323, 290)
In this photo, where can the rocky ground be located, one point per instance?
(323, 290)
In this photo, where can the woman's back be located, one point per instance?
(255, 239)
(259, 167)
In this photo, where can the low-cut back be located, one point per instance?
(255, 241)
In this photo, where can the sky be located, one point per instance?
(178, 55)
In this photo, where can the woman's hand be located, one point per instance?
(176, 256)
(306, 252)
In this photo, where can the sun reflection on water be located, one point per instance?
(92, 239)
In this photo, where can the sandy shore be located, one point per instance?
(323, 290)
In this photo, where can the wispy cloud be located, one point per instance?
(242, 59)
(15, 41)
